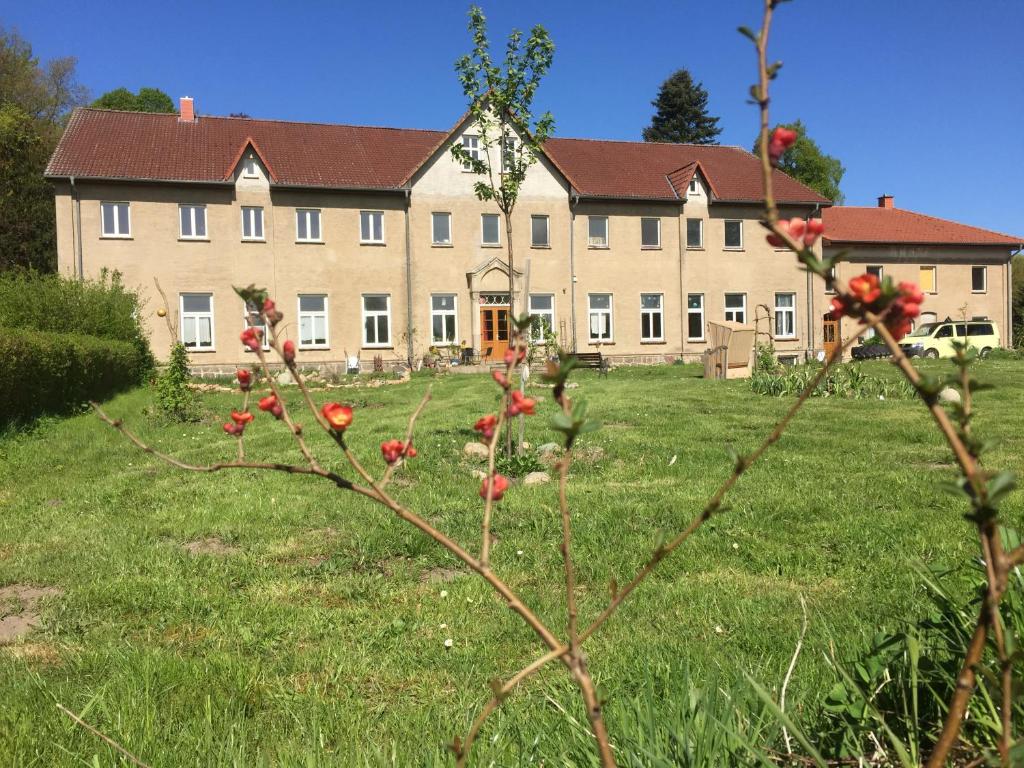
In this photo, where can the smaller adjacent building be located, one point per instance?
(965, 272)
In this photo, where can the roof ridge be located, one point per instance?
(645, 143)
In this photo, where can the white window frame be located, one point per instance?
(935, 278)
(483, 242)
(725, 227)
(376, 313)
(261, 325)
(984, 278)
(442, 313)
(593, 312)
(508, 150)
(700, 243)
(193, 207)
(117, 233)
(547, 231)
(695, 311)
(470, 143)
(433, 228)
(320, 221)
(369, 217)
(182, 314)
(694, 185)
(660, 311)
(252, 210)
(607, 232)
(648, 246)
(733, 310)
(879, 270)
(547, 314)
(250, 169)
(326, 314)
(782, 311)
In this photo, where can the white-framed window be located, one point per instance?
(508, 153)
(539, 232)
(734, 234)
(490, 229)
(695, 317)
(736, 307)
(597, 231)
(192, 222)
(371, 226)
(307, 225)
(249, 168)
(875, 270)
(443, 318)
(377, 320)
(599, 307)
(471, 144)
(650, 233)
(652, 317)
(695, 233)
(116, 220)
(927, 280)
(251, 318)
(979, 279)
(196, 312)
(441, 228)
(785, 315)
(542, 307)
(313, 321)
(252, 222)
(694, 185)
(833, 278)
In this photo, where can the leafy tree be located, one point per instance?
(146, 100)
(682, 113)
(1018, 302)
(501, 104)
(805, 162)
(35, 101)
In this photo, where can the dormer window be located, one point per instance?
(694, 186)
(249, 169)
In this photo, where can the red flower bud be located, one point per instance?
(288, 352)
(241, 417)
(910, 292)
(338, 416)
(499, 376)
(815, 229)
(271, 405)
(521, 404)
(486, 425)
(500, 486)
(252, 338)
(271, 312)
(839, 307)
(244, 379)
(234, 429)
(410, 452)
(794, 228)
(781, 140)
(865, 288)
(514, 355)
(393, 450)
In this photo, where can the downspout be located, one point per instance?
(76, 234)
(573, 200)
(408, 281)
(811, 341)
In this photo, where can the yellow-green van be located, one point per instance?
(936, 339)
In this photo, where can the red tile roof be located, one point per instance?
(652, 171)
(134, 145)
(159, 147)
(851, 224)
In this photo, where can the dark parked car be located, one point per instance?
(869, 351)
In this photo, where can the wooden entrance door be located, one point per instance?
(493, 332)
(830, 334)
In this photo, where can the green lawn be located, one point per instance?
(316, 637)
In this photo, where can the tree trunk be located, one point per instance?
(511, 310)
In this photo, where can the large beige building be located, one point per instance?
(373, 242)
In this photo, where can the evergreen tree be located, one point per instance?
(681, 114)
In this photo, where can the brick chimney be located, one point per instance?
(186, 110)
(885, 201)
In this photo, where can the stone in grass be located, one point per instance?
(537, 478)
(475, 450)
(549, 450)
(285, 378)
(949, 395)
(479, 474)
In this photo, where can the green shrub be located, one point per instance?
(517, 465)
(103, 308)
(58, 372)
(847, 380)
(174, 398)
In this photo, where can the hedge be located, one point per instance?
(42, 372)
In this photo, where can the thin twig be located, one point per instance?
(789, 674)
(386, 478)
(109, 741)
(715, 502)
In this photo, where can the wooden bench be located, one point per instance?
(594, 360)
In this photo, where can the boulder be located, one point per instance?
(949, 395)
(537, 478)
(285, 378)
(474, 450)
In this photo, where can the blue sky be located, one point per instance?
(921, 99)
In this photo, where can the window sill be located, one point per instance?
(309, 242)
(697, 341)
(377, 346)
(116, 237)
(650, 247)
(976, 293)
(253, 240)
(595, 343)
(786, 338)
(732, 249)
(651, 341)
(313, 347)
(442, 245)
(695, 247)
(541, 247)
(193, 239)
(490, 245)
(598, 247)
(372, 242)
(203, 350)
